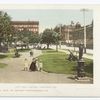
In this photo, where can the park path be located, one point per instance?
(14, 73)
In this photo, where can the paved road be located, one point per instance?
(14, 73)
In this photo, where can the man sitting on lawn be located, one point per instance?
(71, 56)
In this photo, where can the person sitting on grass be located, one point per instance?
(72, 57)
(33, 65)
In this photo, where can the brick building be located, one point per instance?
(32, 26)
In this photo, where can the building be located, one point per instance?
(66, 29)
(32, 26)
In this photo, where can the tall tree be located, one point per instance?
(47, 37)
(50, 37)
(5, 27)
(26, 37)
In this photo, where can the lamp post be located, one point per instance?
(84, 11)
(68, 35)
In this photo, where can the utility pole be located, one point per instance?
(68, 36)
(84, 11)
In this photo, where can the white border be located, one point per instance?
(51, 1)
(70, 90)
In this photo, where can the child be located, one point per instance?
(25, 64)
(38, 65)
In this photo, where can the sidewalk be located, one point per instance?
(88, 55)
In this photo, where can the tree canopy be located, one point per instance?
(5, 28)
(50, 37)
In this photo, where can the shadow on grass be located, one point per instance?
(23, 50)
(3, 56)
(89, 68)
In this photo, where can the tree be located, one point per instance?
(23, 37)
(5, 28)
(26, 37)
(61, 31)
(78, 25)
(56, 37)
(34, 38)
(49, 36)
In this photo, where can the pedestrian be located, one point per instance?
(31, 53)
(33, 65)
(26, 65)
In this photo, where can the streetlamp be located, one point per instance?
(84, 11)
(68, 35)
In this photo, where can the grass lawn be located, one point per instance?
(12, 53)
(2, 65)
(55, 62)
(2, 56)
(6, 55)
(23, 50)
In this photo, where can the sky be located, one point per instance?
(49, 18)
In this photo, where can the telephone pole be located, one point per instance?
(84, 11)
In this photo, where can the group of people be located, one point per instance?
(35, 65)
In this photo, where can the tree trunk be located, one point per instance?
(0, 47)
(27, 46)
(21, 46)
(57, 47)
(8, 45)
(33, 46)
(47, 45)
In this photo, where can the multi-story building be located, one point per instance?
(66, 29)
(32, 26)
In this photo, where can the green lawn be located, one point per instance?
(2, 56)
(2, 65)
(55, 62)
(12, 53)
(6, 55)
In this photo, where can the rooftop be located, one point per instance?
(25, 22)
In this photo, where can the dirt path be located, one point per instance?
(14, 73)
